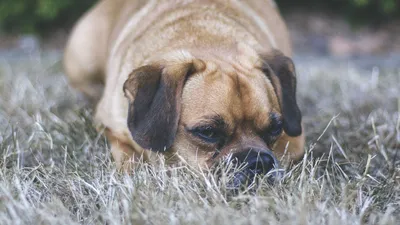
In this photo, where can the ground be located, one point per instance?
(55, 168)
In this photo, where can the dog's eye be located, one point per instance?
(275, 128)
(208, 134)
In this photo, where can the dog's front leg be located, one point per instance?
(290, 148)
(126, 157)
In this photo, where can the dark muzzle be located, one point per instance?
(251, 164)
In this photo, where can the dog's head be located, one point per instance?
(203, 110)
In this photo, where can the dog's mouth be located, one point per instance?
(249, 178)
(249, 172)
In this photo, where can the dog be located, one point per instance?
(193, 81)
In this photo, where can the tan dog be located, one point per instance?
(195, 80)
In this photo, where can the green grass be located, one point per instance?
(55, 168)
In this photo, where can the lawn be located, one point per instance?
(55, 168)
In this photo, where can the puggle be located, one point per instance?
(189, 80)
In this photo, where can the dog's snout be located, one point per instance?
(261, 163)
(253, 163)
(258, 161)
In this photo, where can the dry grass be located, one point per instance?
(55, 169)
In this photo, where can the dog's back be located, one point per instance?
(148, 25)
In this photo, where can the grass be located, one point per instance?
(55, 168)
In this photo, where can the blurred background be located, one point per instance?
(338, 28)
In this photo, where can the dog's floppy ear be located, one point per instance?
(154, 93)
(281, 71)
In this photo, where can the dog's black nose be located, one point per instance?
(257, 161)
(252, 163)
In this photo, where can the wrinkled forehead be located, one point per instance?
(233, 94)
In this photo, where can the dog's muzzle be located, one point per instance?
(252, 164)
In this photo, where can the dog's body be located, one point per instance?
(167, 66)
